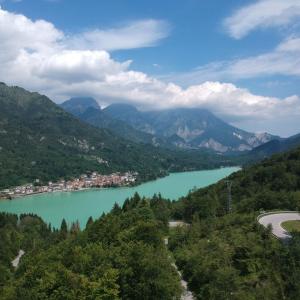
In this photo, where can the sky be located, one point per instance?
(240, 59)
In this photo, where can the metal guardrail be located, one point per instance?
(274, 213)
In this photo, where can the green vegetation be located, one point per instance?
(291, 226)
(230, 256)
(122, 255)
(119, 256)
(39, 140)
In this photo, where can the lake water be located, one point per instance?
(80, 205)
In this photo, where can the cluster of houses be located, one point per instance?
(91, 180)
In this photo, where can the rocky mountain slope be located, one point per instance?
(189, 128)
(183, 128)
(275, 146)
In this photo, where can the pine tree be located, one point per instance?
(63, 229)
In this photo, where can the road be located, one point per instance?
(276, 220)
(187, 294)
(16, 261)
(173, 224)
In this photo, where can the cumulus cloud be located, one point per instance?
(262, 14)
(40, 57)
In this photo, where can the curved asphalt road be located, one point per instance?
(276, 219)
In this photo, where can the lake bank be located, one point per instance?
(80, 205)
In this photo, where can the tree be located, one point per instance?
(89, 222)
(63, 229)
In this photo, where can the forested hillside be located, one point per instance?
(39, 140)
(122, 255)
(119, 256)
(89, 111)
(228, 255)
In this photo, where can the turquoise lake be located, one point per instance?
(80, 205)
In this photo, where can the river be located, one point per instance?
(80, 205)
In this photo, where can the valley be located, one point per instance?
(72, 158)
(215, 253)
(80, 205)
(40, 141)
(149, 150)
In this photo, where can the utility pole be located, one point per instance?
(229, 198)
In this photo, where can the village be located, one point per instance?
(91, 180)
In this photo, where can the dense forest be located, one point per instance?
(228, 255)
(122, 255)
(119, 256)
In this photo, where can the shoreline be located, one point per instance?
(62, 191)
(14, 197)
(93, 202)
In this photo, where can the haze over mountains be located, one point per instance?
(88, 110)
(185, 128)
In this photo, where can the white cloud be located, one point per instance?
(262, 14)
(71, 66)
(283, 60)
(145, 33)
(39, 57)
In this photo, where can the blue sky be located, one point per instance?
(244, 52)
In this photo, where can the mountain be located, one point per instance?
(275, 146)
(39, 140)
(182, 128)
(89, 111)
(189, 128)
(77, 106)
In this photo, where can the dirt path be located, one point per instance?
(16, 261)
(186, 295)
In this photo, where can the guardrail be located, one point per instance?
(274, 213)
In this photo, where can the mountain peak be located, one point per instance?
(189, 128)
(121, 107)
(79, 105)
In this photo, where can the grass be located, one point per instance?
(291, 226)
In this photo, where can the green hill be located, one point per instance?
(228, 255)
(271, 184)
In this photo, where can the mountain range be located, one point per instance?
(185, 128)
(275, 146)
(40, 140)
